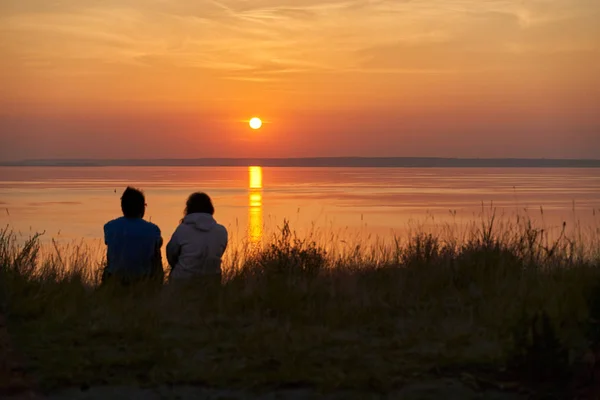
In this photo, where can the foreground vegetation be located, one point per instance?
(498, 305)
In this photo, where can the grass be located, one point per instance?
(500, 297)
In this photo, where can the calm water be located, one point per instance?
(73, 203)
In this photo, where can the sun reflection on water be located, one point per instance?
(255, 216)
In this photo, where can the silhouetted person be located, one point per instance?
(133, 244)
(198, 243)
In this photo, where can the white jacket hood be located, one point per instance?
(197, 246)
(202, 222)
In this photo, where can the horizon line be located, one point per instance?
(339, 161)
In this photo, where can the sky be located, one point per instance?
(181, 78)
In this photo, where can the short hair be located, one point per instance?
(199, 203)
(133, 203)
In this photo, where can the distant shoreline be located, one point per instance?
(346, 162)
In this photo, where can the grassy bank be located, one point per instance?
(499, 302)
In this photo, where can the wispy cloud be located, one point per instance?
(259, 39)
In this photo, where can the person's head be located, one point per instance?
(133, 203)
(199, 203)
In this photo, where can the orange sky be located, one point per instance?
(177, 78)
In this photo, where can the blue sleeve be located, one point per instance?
(106, 233)
(158, 236)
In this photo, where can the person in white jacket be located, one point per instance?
(198, 243)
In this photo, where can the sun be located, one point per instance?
(255, 123)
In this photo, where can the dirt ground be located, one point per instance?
(437, 389)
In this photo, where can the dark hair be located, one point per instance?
(199, 203)
(133, 203)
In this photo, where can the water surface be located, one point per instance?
(71, 203)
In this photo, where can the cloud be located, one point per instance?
(492, 39)
(279, 40)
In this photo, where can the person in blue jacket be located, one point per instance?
(133, 244)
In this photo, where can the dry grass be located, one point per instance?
(301, 312)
